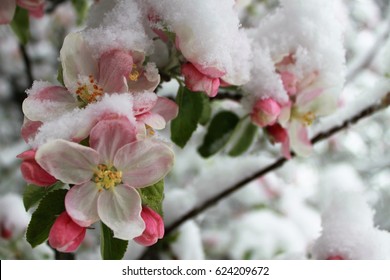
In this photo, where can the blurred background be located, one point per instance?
(277, 216)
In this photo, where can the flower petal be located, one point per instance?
(67, 161)
(114, 66)
(153, 120)
(7, 11)
(29, 129)
(299, 139)
(48, 103)
(76, 59)
(81, 204)
(120, 209)
(166, 108)
(108, 136)
(144, 163)
(144, 102)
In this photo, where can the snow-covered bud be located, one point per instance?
(198, 81)
(32, 172)
(265, 112)
(154, 227)
(65, 235)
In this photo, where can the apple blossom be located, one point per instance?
(107, 175)
(154, 227)
(65, 235)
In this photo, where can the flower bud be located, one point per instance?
(265, 112)
(65, 235)
(154, 227)
(32, 172)
(197, 81)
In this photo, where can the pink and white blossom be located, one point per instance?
(106, 175)
(154, 227)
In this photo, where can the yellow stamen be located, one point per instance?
(134, 74)
(308, 118)
(149, 130)
(107, 178)
(88, 90)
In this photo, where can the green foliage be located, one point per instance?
(81, 7)
(60, 74)
(44, 217)
(153, 196)
(21, 25)
(247, 132)
(190, 112)
(33, 194)
(111, 248)
(219, 133)
(206, 110)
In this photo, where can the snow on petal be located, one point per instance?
(120, 209)
(144, 163)
(67, 161)
(109, 135)
(81, 204)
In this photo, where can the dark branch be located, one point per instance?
(27, 64)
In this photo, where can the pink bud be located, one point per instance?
(65, 235)
(32, 172)
(279, 135)
(154, 227)
(197, 81)
(336, 257)
(290, 82)
(265, 112)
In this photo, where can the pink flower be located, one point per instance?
(278, 134)
(32, 172)
(65, 235)
(107, 174)
(204, 79)
(7, 9)
(154, 227)
(265, 112)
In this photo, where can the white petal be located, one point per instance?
(81, 204)
(120, 209)
(67, 161)
(144, 163)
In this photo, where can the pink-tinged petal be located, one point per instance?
(290, 82)
(278, 134)
(146, 78)
(196, 81)
(144, 163)
(76, 59)
(299, 139)
(265, 112)
(32, 172)
(65, 235)
(154, 227)
(48, 103)
(153, 120)
(35, 7)
(108, 136)
(114, 66)
(210, 71)
(7, 11)
(81, 204)
(143, 102)
(166, 108)
(120, 209)
(306, 97)
(29, 129)
(69, 162)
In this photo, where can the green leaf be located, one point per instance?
(153, 196)
(219, 133)
(44, 217)
(21, 25)
(81, 7)
(243, 143)
(33, 194)
(60, 74)
(111, 248)
(190, 110)
(206, 110)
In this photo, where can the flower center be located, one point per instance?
(308, 118)
(107, 177)
(134, 74)
(149, 130)
(88, 90)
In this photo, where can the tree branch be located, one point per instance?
(370, 110)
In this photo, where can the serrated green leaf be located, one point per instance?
(44, 217)
(60, 74)
(20, 25)
(245, 140)
(81, 7)
(219, 133)
(206, 110)
(33, 194)
(153, 196)
(111, 248)
(190, 110)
